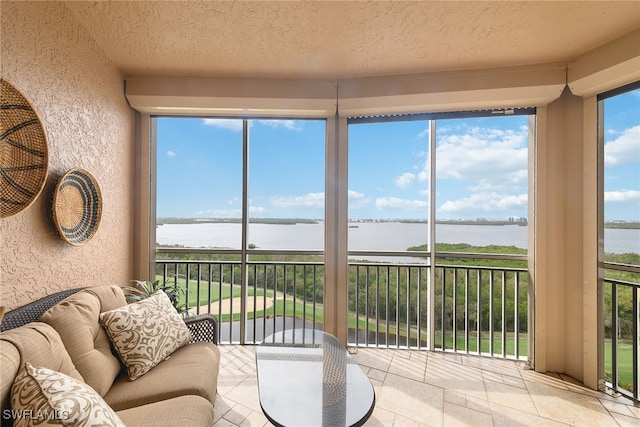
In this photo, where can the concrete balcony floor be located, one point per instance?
(415, 388)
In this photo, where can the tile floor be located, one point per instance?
(416, 388)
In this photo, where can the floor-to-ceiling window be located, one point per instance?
(420, 188)
(240, 219)
(620, 219)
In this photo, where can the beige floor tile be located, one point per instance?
(626, 421)
(376, 374)
(635, 410)
(237, 414)
(470, 402)
(568, 407)
(455, 397)
(413, 399)
(255, 419)
(221, 407)
(512, 397)
(408, 367)
(619, 408)
(455, 377)
(379, 359)
(229, 378)
(377, 386)
(380, 418)
(455, 415)
(509, 417)
(401, 421)
(246, 393)
(223, 423)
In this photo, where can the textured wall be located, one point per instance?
(78, 94)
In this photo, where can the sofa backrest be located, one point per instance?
(32, 311)
(76, 320)
(36, 343)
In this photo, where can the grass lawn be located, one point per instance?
(625, 363)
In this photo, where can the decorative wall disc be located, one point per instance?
(23, 152)
(77, 206)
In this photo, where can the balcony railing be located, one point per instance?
(475, 309)
(622, 335)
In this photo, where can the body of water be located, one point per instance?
(388, 236)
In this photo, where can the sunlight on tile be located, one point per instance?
(420, 388)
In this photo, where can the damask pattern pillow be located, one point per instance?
(145, 333)
(43, 396)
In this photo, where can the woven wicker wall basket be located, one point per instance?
(77, 207)
(23, 152)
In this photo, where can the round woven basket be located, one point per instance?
(23, 152)
(77, 206)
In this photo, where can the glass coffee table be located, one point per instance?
(307, 378)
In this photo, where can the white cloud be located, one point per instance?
(383, 203)
(492, 158)
(425, 133)
(231, 212)
(621, 196)
(258, 210)
(309, 200)
(624, 149)
(219, 213)
(358, 200)
(485, 202)
(287, 124)
(171, 153)
(405, 180)
(229, 124)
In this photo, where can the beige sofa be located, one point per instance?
(69, 339)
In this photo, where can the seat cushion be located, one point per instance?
(191, 370)
(76, 320)
(44, 394)
(192, 411)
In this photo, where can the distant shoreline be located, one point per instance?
(627, 225)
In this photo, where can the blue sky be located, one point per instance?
(622, 157)
(481, 167)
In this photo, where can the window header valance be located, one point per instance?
(433, 92)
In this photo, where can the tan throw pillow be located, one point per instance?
(44, 396)
(145, 333)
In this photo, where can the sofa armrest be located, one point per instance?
(203, 327)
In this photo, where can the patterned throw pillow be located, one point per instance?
(44, 396)
(145, 333)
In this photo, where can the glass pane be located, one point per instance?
(388, 186)
(622, 176)
(621, 234)
(286, 184)
(481, 183)
(199, 182)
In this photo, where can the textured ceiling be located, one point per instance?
(325, 39)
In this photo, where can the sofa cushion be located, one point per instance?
(36, 343)
(192, 411)
(43, 394)
(76, 320)
(191, 370)
(145, 333)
